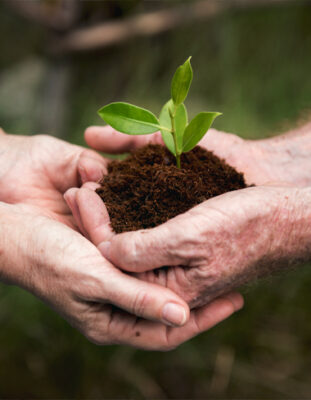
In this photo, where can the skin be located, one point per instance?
(228, 240)
(43, 251)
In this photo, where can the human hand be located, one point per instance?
(37, 170)
(195, 240)
(93, 219)
(214, 247)
(66, 271)
(63, 268)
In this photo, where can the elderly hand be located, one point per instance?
(40, 253)
(221, 243)
(214, 247)
(66, 271)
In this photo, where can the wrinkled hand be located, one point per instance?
(214, 247)
(39, 252)
(65, 270)
(211, 249)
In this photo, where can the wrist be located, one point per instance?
(4, 138)
(287, 231)
(297, 236)
(6, 159)
(15, 267)
(285, 158)
(6, 246)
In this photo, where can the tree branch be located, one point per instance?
(152, 23)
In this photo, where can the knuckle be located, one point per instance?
(188, 247)
(92, 336)
(168, 344)
(140, 303)
(97, 337)
(126, 251)
(203, 274)
(204, 284)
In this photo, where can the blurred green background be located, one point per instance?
(253, 64)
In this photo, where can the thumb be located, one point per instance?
(91, 166)
(70, 165)
(137, 251)
(143, 250)
(143, 299)
(108, 140)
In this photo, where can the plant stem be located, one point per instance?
(172, 116)
(178, 161)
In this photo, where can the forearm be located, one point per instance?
(283, 238)
(7, 252)
(20, 254)
(287, 157)
(9, 158)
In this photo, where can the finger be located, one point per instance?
(70, 198)
(145, 250)
(143, 299)
(125, 329)
(219, 142)
(140, 298)
(204, 318)
(91, 185)
(72, 164)
(108, 140)
(91, 166)
(94, 216)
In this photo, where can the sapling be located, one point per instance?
(178, 135)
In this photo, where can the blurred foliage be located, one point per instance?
(254, 66)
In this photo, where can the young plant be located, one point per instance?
(178, 135)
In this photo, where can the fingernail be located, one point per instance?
(174, 314)
(104, 248)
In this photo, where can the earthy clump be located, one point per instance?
(148, 189)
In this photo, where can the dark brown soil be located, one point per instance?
(147, 188)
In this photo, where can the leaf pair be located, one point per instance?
(178, 135)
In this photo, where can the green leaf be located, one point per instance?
(180, 124)
(181, 120)
(197, 128)
(165, 121)
(181, 82)
(129, 119)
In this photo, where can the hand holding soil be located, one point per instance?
(225, 241)
(42, 252)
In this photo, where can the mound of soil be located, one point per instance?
(148, 189)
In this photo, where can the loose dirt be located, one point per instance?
(148, 189)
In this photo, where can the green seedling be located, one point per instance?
(178, 135)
